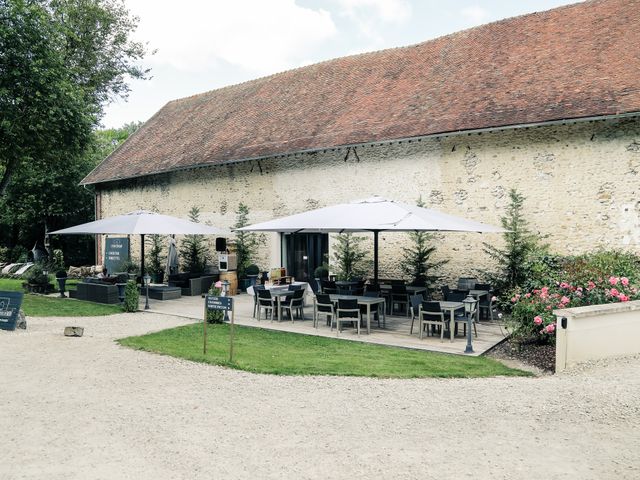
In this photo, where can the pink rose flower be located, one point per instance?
(624, 281)
(527, 295)
(550, 328)
(218, 284)
(564, 285)
(579, 293)
(494, 298)
(513, 299)
(614, 292)
(579, 289)
(537, 320)
(613, 280)
(549, 307)
(623, 298)
(565, 300)
(591, 286)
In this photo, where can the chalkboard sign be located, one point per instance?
(9, 309)
(219, 303)
(116, 252)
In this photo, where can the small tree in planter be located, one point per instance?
(351, 260)
(247, 243)
(416, 258)
(131, 297)
(155, 261)
(321, 272)
(37, 281)
(252, 272)
(193, 248)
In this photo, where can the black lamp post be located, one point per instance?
(469, 309)
(225, 293)
(147, 280)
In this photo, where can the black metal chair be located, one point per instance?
(295, 302)
(462, 318)
(328, 287)
(267, 303)
(325, 307)
(399, 296)
(313, 283)
(416, 301)
(485, 303)
(348, 311)
(445, 291)
(431, 315)
(255, 298)
(456, 296)
(293, 288)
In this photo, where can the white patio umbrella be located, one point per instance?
(142, 223)
(375, 214)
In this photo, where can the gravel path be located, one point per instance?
(86, 408)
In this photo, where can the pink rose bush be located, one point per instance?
(532, 312)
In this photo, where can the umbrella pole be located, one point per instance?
(141, 257)
(375, 256)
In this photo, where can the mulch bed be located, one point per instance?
(530, 353)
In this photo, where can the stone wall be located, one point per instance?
(580, 181)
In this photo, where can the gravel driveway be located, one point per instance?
(86, 408)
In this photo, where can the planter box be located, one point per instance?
(596, 331)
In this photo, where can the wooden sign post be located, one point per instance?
(225, 304)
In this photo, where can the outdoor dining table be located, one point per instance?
(368, 301)
(411, 289)
(451, 307)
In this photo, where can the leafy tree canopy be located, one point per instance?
(61, 61)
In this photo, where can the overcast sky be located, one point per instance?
(206, 44)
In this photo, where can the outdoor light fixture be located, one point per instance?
(146, 279)
(469, 304)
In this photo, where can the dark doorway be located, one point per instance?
(304, 253)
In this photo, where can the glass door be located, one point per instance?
(304, 253)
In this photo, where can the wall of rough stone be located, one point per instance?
(580, 180)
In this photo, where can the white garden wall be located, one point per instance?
(597, 331)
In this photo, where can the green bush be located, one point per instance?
(321, 272)
(252, 270)
(351, 260)
(131, 297)
(36, 276)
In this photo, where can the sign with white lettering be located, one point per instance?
(10, 303)
(116, 252)
(219, 303)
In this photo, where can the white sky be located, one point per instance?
(206, 44)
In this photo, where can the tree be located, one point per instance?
(193, 248)
(247, 243)
(45, 194)
(61, 61)
(519, 242)
(415, 259)
(351, 260)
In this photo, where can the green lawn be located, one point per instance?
(42, 306)
(282, 353)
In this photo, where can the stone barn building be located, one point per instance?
(548, 103)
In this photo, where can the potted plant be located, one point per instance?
(321, 272)
(121, 283)
(252, 272)
(61, 278)
(131, 268)
(37, 281)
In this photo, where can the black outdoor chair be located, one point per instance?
(430, 314)
(293, 288)
(255, 298)
(347, 311)
(328, 287)
(462, 318)
(372, 287)
(445, 291)
(326, 308)
(313, 283)
(295, 302)
(416, 302)
(399, 296)
(485, 304)
(267, 303)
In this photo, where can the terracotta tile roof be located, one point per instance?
(581, 60)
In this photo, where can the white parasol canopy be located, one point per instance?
(142, 222)
(370, 215)
(375, 214)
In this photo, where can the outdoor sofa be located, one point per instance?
(193, 283)
(96, 290)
